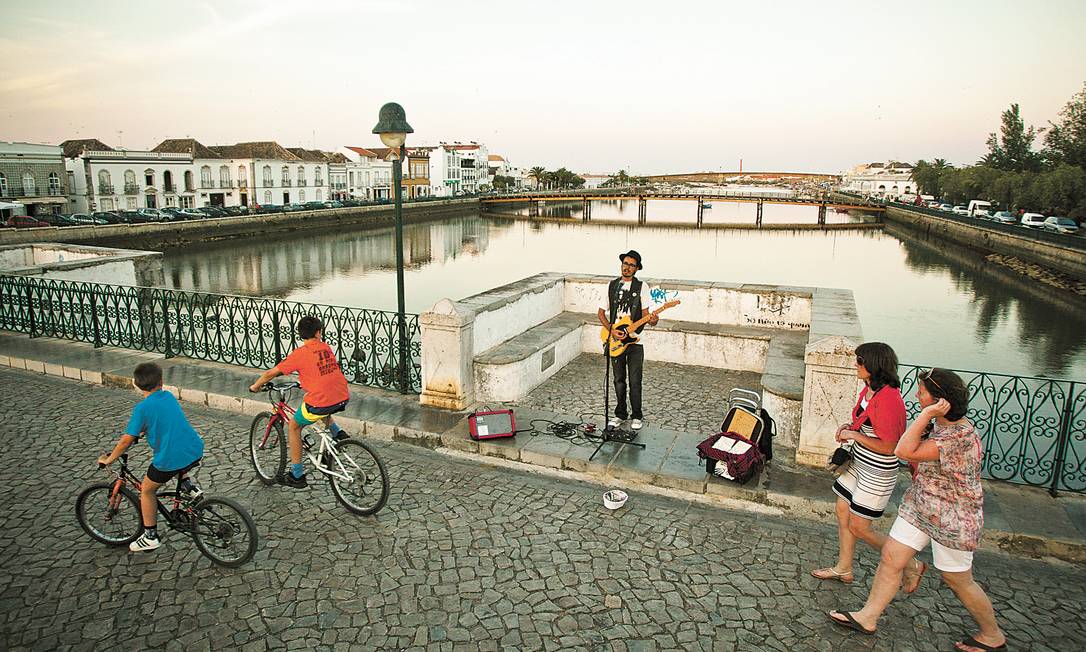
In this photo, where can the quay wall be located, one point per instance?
(1066, 254)
(158, 235)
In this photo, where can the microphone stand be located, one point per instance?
(609, 434)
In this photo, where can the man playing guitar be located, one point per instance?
(627, 296)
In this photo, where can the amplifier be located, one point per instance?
(492, 425)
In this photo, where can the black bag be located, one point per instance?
(769, 429)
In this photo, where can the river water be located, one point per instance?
(935, 303)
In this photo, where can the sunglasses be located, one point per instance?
(928, 378)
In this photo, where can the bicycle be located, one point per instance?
(221, 528)
(354, 470)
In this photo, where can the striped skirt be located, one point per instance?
(868, 482)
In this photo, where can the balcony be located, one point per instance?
(169, 187)
(243, 183)
(268, 183)
(207, 183)
(286, 183)
(301, 182)
(131, 189)
(318, 182)
(226, 183)
(56, 192)
(339, 186)
(105, 189)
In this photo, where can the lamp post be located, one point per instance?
(392, 127)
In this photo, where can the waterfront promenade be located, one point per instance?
(471, 555)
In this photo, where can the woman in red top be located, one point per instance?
(877, 422)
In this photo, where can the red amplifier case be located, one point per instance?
(492, 425)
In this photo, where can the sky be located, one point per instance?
(653, 87)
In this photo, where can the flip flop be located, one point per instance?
(830, 574)
(912, 580)
(850, 622)
(972, 642)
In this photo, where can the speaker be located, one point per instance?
(492, 425)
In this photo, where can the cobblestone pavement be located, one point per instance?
(676, 397)
(463, 558)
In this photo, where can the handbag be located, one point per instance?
(840, 461)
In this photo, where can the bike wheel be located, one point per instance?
(267, 447)
(367, 490)
(224, 531)
(110, 519)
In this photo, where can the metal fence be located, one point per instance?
(1033, 429)
(246, 331)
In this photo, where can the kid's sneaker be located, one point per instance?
(288, 480)
(188, 490)
(144, 543)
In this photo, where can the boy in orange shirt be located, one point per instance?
(325, 391)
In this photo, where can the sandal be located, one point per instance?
(911, 581)
(831, 574)
(850, 622)
(974, 643)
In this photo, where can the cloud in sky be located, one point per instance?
(593, 86)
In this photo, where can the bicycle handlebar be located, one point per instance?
(269, 386)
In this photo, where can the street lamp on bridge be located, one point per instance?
(392, 127)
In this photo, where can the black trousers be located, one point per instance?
(629, 365)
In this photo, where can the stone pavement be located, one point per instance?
(464, 557)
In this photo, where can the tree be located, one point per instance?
(537, 173)
(929, 177)
(1065, 141)
(1015, 151)
(502, 182)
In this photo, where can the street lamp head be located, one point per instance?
(392, 125)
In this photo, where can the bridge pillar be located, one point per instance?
(642, 210)
(822, 214)
(701, 211)
(586, 212)
(533, 209)
(758, 216)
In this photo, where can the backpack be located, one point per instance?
(735, 458)
(769, 429)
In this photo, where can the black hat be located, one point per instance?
(631, 254)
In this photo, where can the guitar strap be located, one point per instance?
(612, 299)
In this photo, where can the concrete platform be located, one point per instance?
(1022, 520)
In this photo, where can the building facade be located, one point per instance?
(117, 180)
(369, 176)
(33, 175)
(311, 178)
(337, 175)
(892, 178)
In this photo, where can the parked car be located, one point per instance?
(269, 208)
(110, 217)
(946, 207)
(1005, 217)
(24, 222)
(173, 214)
(961, 210)
(213, 211)
(58, 219)
(152, 214)
(193, 213)
(83, 219)
(979, 208)
(351, 202)
(335, 204)
(133, 217)
(290, 208)
(1061, 225)
(1034, 220)
(235, 211)
(934, 204)
(316, 205)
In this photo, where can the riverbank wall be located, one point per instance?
(163, 235)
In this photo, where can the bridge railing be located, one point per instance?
(1033, 429)
(246, 331)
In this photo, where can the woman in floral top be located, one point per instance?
(943, 507)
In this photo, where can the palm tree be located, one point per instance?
(537, 173)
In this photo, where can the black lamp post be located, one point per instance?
(392, 127)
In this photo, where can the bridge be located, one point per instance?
(586, 198)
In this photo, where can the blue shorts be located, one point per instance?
(307, 414)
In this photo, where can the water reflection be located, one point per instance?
(935, 303)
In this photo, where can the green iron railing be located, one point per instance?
(246, 331)
(1033, 429)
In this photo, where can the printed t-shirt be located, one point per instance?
(318, 373)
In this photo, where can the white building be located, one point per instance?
(474, 165)
(103, 179)
(34, 176)
(890, 178)
(369, 177)
(499, 166)
(272, 171)
(337, 175)
(312, 174)
(445, 171)
(592, 181)
(216, 179)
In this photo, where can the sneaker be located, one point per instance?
(188, 490)
(614, 422)
(636, 424)
(288, 480)
(340, 436)
(144, 543)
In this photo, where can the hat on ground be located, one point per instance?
(631, 254)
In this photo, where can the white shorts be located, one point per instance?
(946, 559)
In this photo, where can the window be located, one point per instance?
(105, 184)
(267, 196)
(267, 176)
(243, 176)
(188, 179)
(285, 173)
(129, 178)
(29, 187)
(351, 176)
(320, 195)
(149, 201)
(224, 177)
(167, 181)
(367, 178)
(171, 200)
(205, 177)
(149, 177)
(317, 181)
(4, 184)
(54, 183)
(301, 174)
(186, 201)
(71, 181)
(131, 201)
(301, 195)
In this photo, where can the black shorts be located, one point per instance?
(162, 477)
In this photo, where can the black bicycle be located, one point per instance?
(221, 528)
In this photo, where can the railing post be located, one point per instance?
(166, 322)
(31, 325)
(1061, 442)
(94, 318)
(275, 332)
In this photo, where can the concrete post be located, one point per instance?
(448, 355)
(830, 388)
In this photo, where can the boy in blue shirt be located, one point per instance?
(177, 448)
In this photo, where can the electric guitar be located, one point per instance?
(627, 329)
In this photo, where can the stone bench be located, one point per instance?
(508, 371)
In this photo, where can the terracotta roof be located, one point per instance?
(335, 157)
(74, 148)
(362, 151)
(189, 146)
(311, 155)
(267, 149)
(494, 157)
